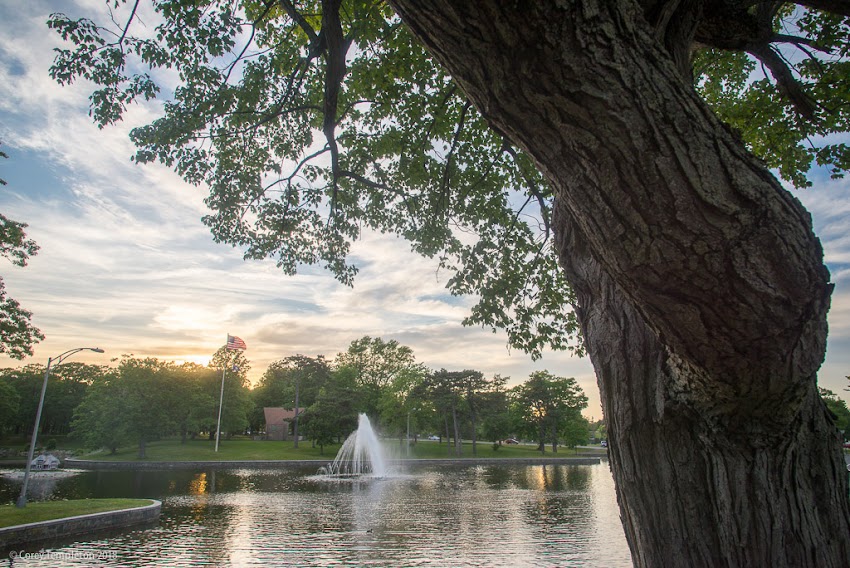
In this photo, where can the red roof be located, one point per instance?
(279, 415)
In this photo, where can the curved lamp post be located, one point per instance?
(22, 499)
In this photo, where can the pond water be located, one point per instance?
(476, 515)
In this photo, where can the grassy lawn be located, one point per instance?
(20, 445)
(228, 450)
(433, 449)
(243, 449)
(47, 510)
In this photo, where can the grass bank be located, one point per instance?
(35, 512)
(171, 450)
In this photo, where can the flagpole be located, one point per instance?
(220, 404)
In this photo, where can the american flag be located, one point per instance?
(234, 342)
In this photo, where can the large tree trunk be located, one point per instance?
(700, 284)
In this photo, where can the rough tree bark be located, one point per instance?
(701, 287)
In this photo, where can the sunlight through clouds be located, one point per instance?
(126, 264)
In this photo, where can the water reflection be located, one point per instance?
(437, 516)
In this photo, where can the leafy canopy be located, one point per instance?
(786, 92)
(310, 122)
(17, 334)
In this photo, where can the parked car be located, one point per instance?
(604, 443)
(433, 437)
(511, 441)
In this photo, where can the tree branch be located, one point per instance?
(447, 170)
(532, 187)
(785, 81)
(337, 47)
(840, 7)
(799, 42)
(302, 23)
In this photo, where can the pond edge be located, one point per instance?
(30, 533)
(234, 464)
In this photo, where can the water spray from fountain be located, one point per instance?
(360, 455)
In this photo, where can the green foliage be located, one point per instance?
(194, 387)
(839, 410)
(496, 423)
(9, 402)
(142, 393)
(573, 429)
(145, 399)
(545, 405)
(277, 386)
(303, 143)
(14, 244)
(333, 415)
(379, 367)
(17, 334)
(65, 390)
(99, 419)
(791, 135)
(311, 121)
(397, 405)
(379, 363)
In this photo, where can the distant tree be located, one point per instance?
(292, 382)
(27, 382)
(100, 419)
(444, 392)
(839, 410)
(573, 428)
(598, 430)
(333, 415)
(136, 402)
(321, 425)
(495, 411)
(397, 402)
(544, 402)
(65, 390)
(9, 403)
(193, 403)
(147, 400)
(474, 388)
(278, 384)
(376, 364)
(17, 334)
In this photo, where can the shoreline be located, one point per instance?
(29, 535)
(279, 464)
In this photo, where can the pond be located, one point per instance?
(471, 515)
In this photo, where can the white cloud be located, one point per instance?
(127, 265)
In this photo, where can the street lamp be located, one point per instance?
(22, 499)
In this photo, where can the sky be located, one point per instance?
(126, 264)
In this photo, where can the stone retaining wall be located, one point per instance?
(26, 535)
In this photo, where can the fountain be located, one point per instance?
(361, 454)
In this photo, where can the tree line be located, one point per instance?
(140, 400)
